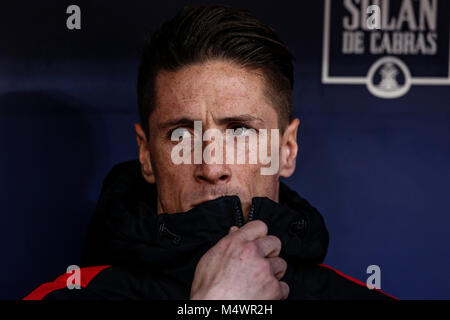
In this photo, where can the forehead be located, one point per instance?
(220, 88)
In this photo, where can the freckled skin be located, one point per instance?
(207, 92)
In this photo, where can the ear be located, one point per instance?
(144, 154)
(289, 149)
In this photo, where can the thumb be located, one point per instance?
(233, 229)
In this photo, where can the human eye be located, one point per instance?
(177, 134)
(241, 129)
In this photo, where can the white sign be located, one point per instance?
(403, 29)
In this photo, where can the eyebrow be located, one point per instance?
(245, 118)
(184, 121)
(189, 122)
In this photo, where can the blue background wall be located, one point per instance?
(377, 169)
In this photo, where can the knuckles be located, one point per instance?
(264, 268)
(244, 254)
(249, 250)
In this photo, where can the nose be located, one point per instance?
(213, 173)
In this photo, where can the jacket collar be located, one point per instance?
(125, 228)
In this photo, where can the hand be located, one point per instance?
(242, 265)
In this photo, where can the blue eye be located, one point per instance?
(178, 133)
(240, 130)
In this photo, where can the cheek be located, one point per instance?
(173, 181)
(247, 174)
(164, 169)
(167, 172)
(266, 186)
(256, 185)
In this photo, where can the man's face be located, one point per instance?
(222, 96)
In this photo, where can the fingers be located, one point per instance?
(233, 229)
(284, 290)
(269, 246)
(252, 230)
(278, 266)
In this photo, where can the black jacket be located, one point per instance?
(144, 255)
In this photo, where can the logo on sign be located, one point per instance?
(386, 45)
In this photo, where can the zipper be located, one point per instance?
(251, 214)
(239, 216)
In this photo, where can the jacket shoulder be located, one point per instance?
(109, 283)
(59, 287)
(343, 287)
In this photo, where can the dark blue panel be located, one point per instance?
(377, 169)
